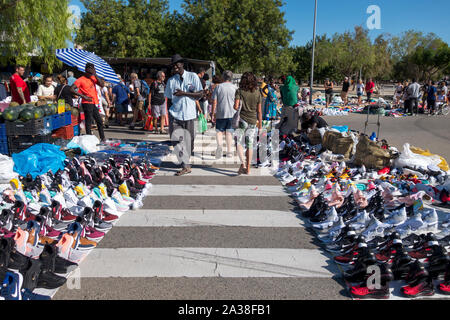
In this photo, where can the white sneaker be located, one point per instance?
(71, 198)
(397, 217)
(86, 202)
(375, 228)
(403, 233)
(333, 232)
(446, 223)
(60, 198)
(332, 218)
(286, 178)
(430, 219)
(360, 221)
(350, 190)
(444, 233)
(414, 223)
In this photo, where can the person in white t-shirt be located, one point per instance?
(360, 91)
(398, 93)
(46, 91)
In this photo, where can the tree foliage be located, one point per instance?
(409, 55)
(420, 56)
(238, 34)
(33, 28)
(120, 28)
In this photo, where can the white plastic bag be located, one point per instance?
(410, 159)
(88, 143)
(6, 169)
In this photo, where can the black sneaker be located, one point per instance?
(401, 265)
(438, 262)
(350, 214)
(318, 203)
(49, 280)
(6, 244)
(31, 274)
(411, 241)
(359, 272)
(53, 263)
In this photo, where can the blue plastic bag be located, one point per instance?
(340, 128)
(39, 159)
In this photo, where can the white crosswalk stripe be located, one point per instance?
(216, 191)
(205, 262)
(185, 218)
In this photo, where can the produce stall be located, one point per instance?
(22, 126)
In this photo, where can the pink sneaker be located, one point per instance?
(371, 186)
(329, 185)
(4, 233)
(49, 232)
(337, 199)
(360, 199)
(93, 234)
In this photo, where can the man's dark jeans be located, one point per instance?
(412, 105)
(91, 113)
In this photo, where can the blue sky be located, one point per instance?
(342, 15)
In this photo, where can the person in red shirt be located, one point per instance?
(85, 88)
(370, 86)
(19, 88)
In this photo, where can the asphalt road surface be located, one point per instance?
(421, 131)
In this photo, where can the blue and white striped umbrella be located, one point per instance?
(78, 58)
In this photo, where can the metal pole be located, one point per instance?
(312, 57)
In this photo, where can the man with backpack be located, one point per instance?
(141, 92)
(121, 98)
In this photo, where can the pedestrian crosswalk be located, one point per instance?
(208, 235)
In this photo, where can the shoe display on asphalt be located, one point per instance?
(365, 216)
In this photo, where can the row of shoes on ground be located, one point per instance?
(420, 261)
(351, 221)
(35, 222)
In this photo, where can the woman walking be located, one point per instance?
(398, 93)
(329, 91)
(248, 102)
(270, 107)
(360, 91)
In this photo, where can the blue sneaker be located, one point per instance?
(11, 286)
(28, 295)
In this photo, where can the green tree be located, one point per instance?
(382, 66)
(119, 28)
(420, 56)
(239, 34)
(33, 28)
(302, 62)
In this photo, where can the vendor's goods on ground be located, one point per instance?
(378, 215)
(60, 207)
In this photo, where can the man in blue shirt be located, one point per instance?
(431, 97)
(182, 91)
(121, 98)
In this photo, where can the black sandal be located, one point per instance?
(183, 172)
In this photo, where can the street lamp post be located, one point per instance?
(312, 58)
